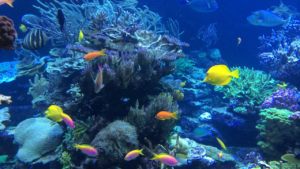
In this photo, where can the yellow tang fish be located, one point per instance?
(80, 36)
(221, 143)
(220, 75)
(23, 28)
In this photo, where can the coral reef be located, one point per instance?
(144, 118)
(38, 88)
(36, 136)
(8, 33)
(184, 66)
(249, 91)
(124, 138)
(288, 99)
(276, 128)
(4, 116)
(8, 71)
(221, 115)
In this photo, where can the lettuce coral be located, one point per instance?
(248, 91)
(275, 129)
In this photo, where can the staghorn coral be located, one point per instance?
(8, 34)
(147, 125)
(34, 135)
(249, 91)
(4, 116)
(5, 99)
(276, 128)
(115, 141)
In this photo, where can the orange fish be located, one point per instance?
(99, 80)
(239, 41)
(93, 55)
(163, 115)
(8, 2)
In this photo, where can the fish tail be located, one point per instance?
(235, 73)
(141, 151)
(9, 2)
(155, 157)
(102, 52)
(175, 115)
(184, 2)
(76, 146)
(287, 21)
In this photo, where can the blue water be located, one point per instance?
(141, 80)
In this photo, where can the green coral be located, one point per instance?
(184, 66)
(249, 90)
(276, 129)
(65, 160)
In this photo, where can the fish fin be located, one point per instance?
(9, 2)
(174, 115)
(155, 157)
(205, 80)
(184, 2)
(235, 74)
(141, 152)
(102, 86)
(102, 52)
(287, 21)
(100, 67)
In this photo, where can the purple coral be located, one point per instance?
(283, 99)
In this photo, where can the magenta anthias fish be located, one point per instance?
(67, 119)
(166, 159)
(99, 80)
(133, 154)
(87, 149)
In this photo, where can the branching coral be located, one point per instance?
(248, 91)
(275, 129)
(8, 34)
(144, 118)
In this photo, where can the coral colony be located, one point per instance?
(118, 90)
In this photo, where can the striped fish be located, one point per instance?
(35, 39)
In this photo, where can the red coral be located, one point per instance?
(8, 34)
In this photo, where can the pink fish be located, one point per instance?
(99, 80)
(8, 2)
(67, 119)
(133, 154)
(87, 149)
(166, 159)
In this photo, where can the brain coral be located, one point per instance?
(36, 136)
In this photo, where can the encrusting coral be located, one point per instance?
(36, 136)
(4, 116)
(248, 91)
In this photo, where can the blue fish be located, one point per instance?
(267, 18)
(200, 132)
(201, 5)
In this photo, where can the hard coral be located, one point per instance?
(5, 99)
(36, 136)
(283, 99)
(275, 129)
(8, 34)
(249, 90)
(115, 141)
(4, 116)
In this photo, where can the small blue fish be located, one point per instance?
(200, 132)
(201, 5)
(267, 18)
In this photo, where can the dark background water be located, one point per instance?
(230, 18)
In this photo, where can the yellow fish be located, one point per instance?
(220, 75)
(283, 86)
(80, 36)
(183, 83)
(54, 113)
(23, 28)
(221, 143)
